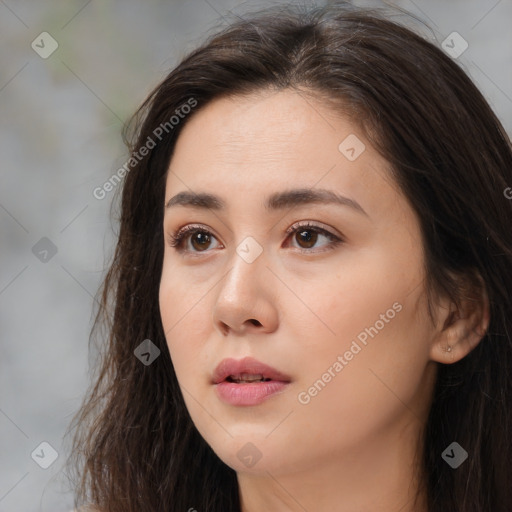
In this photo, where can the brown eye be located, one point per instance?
(306, 238)
(192, 239)
(310, 238)
(200, 240)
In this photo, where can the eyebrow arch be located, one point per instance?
(275, 202)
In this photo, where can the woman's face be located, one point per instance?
(330, 294)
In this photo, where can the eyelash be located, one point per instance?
(176, 240)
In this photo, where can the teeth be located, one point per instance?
(246, 377)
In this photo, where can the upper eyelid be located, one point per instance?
(296, 225)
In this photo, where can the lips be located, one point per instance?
(247, 382)
(246, 370)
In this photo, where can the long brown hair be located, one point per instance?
(135, 447)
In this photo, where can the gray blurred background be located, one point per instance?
(61, 113)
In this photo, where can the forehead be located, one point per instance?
(260, 127)
(245, 146)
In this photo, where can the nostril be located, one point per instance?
(254, 322)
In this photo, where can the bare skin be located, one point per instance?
(350, 445)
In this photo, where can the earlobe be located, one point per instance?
(462, 328)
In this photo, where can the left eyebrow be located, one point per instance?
(275, 202)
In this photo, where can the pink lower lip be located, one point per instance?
(248, 394)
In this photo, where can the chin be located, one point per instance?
(256, 454)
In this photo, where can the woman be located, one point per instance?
(309, 304)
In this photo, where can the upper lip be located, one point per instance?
(248, 365)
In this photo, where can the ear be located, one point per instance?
(461, 326)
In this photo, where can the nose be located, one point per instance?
(245, 302)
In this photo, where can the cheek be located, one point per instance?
(373, 324)
(183, 317)
(380, 383)
(352, 295)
